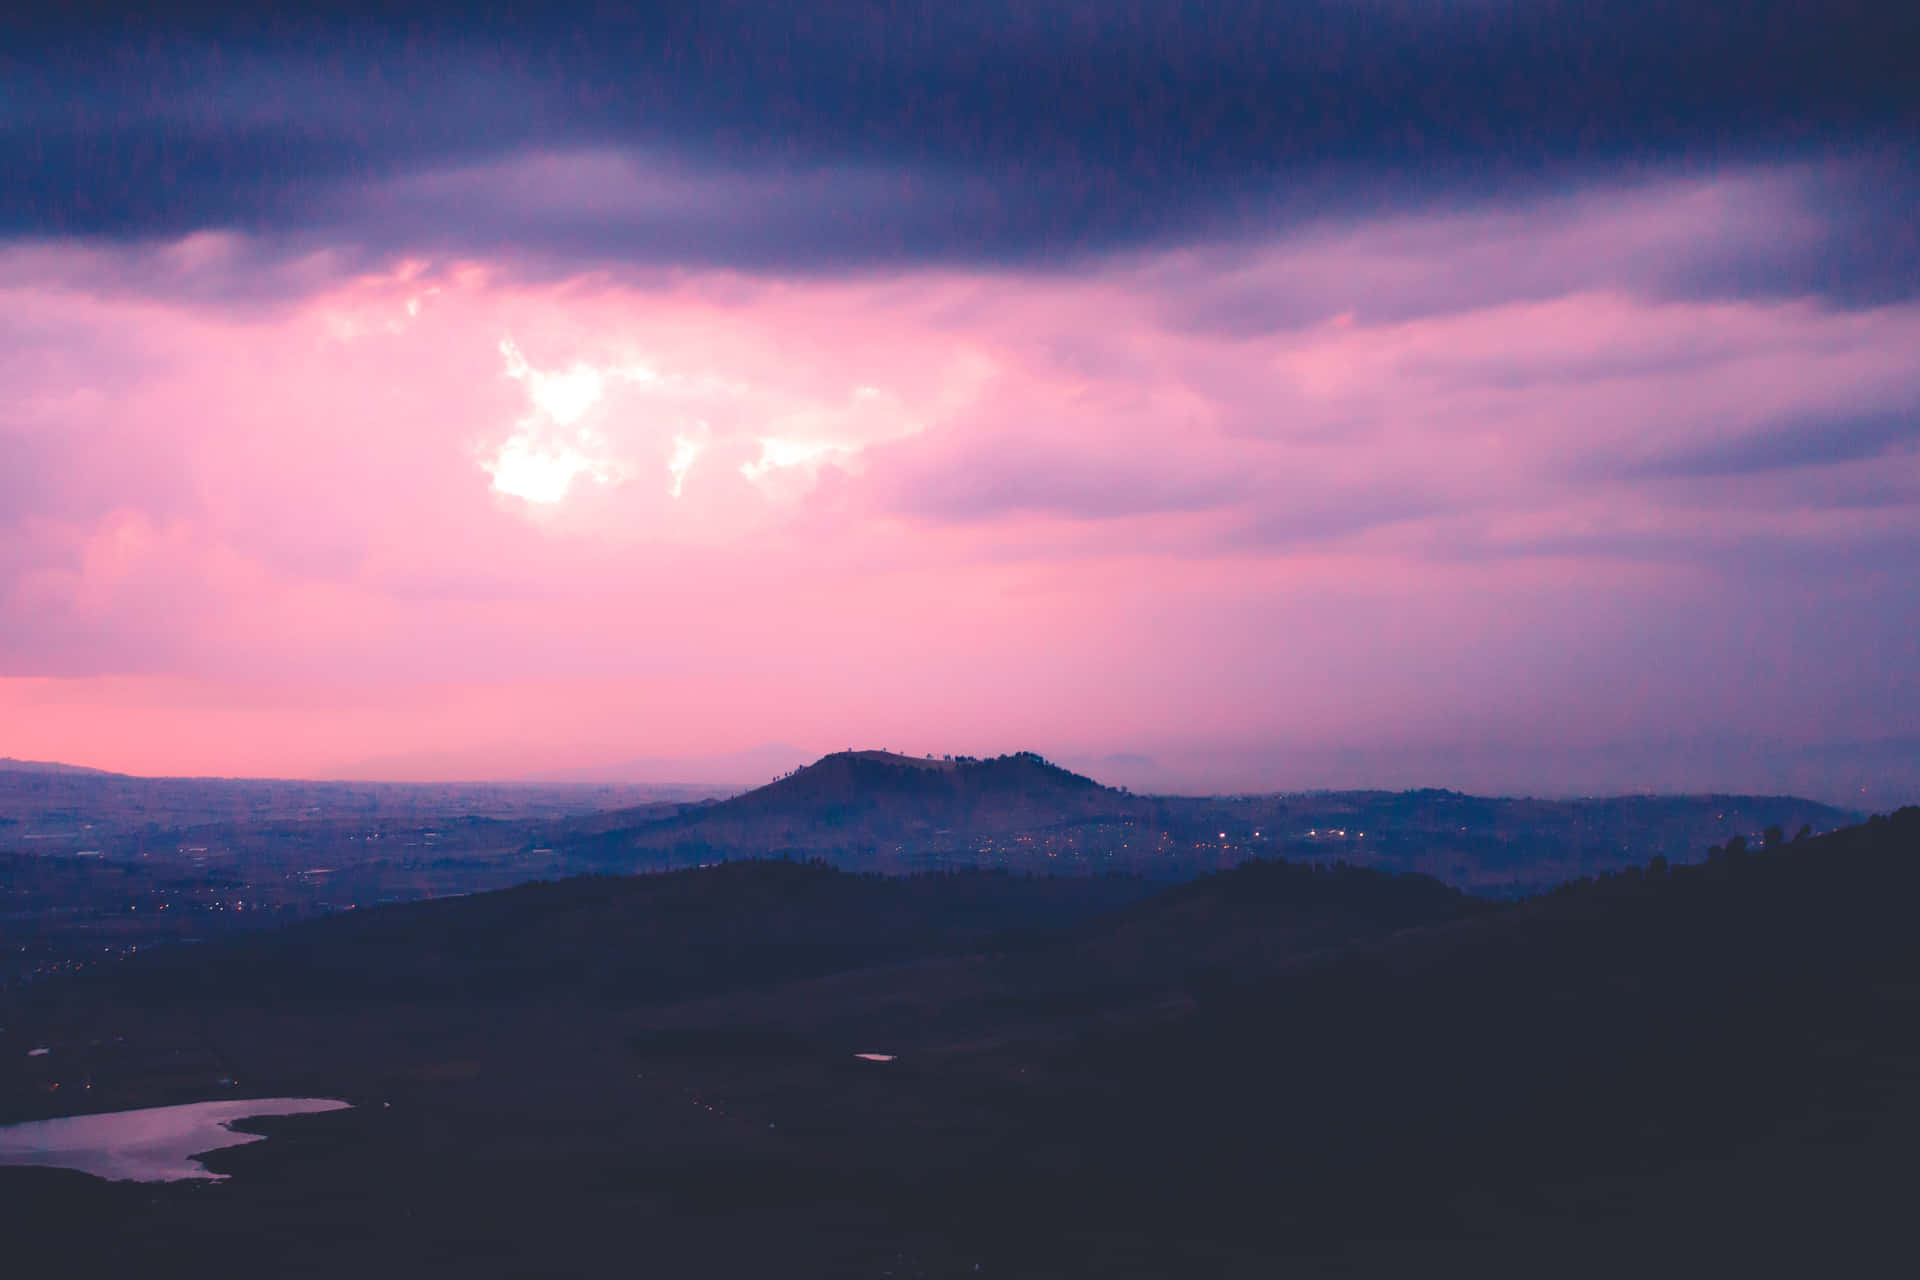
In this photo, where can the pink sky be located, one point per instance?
(1430, 479)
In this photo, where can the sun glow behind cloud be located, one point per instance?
(768, 423)
(538, 473)
(779, 455)
(686, 451)
(551, 447)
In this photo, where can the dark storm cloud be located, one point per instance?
(1858, 241)
(1842, 229)
(985, 132)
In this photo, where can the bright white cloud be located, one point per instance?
(778, 454)
(794, 446)
(564, 398)
(643, 397)
(686, 450)
(522, 469)
(553, 445)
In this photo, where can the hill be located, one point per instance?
(873, 810)
(631, 939)
(869, 802)
(1752, 1016)
(9, 765)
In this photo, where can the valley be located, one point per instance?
(777, 1063)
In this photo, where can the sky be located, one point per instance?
(1519, 395)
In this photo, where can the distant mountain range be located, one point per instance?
(886, 811)
(9, 765)
(878, 810)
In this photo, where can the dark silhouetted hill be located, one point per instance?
(859, 801)
(649, 938)
(1442, 1078)
(872, 810)
(9, 765)
(1258, 918)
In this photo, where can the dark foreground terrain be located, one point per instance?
(1282, 1069)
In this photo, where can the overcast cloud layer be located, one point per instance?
(1268, 388)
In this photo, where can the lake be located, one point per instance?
(155, 1144)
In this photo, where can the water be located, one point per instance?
(156, 1144)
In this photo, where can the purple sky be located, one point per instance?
(434, 402)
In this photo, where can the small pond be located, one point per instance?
(155, 1144)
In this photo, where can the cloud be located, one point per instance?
(1759, 232)
(1820, 441)
(758, 134)
(778, 455)
(551, 447)
(686, 451)
(984, 478)
(1545, 492)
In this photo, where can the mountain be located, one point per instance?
(9, 765)
(874, 810)
(862, 802)
(913, 787)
